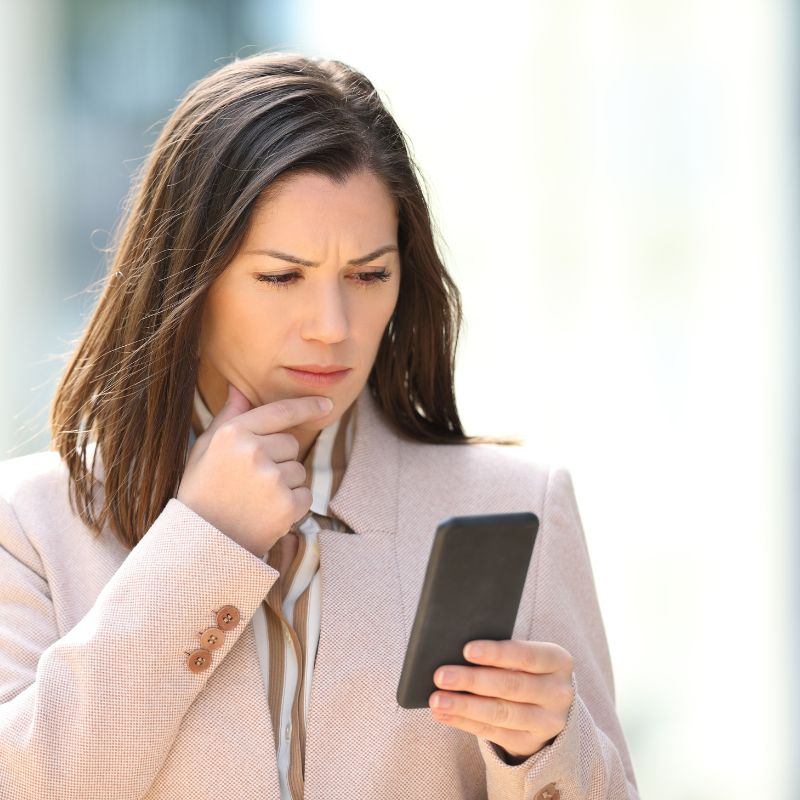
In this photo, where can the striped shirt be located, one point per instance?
(287, 623)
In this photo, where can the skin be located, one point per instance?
(329, 314)
(518, 693)
(519, 697)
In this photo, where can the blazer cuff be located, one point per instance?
(551, 767)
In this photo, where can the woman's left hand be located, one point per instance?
(518, 698)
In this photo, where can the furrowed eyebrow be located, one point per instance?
(354, 262)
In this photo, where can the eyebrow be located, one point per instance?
(354, 262)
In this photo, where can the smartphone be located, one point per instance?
(472, 587)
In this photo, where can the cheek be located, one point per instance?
(380, 312)
(370, 321)
(237, 327)
(212, 329)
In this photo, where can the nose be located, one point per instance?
(325, 316)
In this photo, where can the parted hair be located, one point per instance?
(129, 382)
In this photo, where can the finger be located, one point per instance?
(512, 742)
(281, 447)
(487, 710)
(491, 712)
(534, 657)
(293, 473)
(508, 684)
(235, 404)
(280, 415)
(301, 498)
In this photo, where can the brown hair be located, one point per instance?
(129, 382)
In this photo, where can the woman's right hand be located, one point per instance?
(242, 475)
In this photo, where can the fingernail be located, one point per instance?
(474, 650)
(445, 676)
(325, 404)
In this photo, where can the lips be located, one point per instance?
(318, 379)
(319, 369)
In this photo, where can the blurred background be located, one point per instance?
(616, 190)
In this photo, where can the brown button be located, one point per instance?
(548, 792)
(199, 660)
(212, 638)
(227, 617)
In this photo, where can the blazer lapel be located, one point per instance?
(367, 496)
(353, 709)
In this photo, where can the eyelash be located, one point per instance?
(376, 277)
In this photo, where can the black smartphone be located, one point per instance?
(473, 584)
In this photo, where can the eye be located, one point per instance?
(373, 277)
(285, 279)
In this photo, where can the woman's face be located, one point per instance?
(266, 314)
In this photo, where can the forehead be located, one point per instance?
(308, 201)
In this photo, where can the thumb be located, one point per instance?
(235, 404)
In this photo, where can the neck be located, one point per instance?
(306, 440)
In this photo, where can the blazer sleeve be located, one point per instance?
(74, 709)
(589, 758)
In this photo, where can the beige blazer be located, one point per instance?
(97, 699)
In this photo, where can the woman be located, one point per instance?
(208, 582)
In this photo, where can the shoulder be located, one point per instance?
(32, 479)
(32, 495)
(490, 461)
(44, 542)
(480, 475)
(34, 501)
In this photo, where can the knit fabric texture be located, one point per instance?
(97, 701)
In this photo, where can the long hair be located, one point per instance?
(129, 383)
